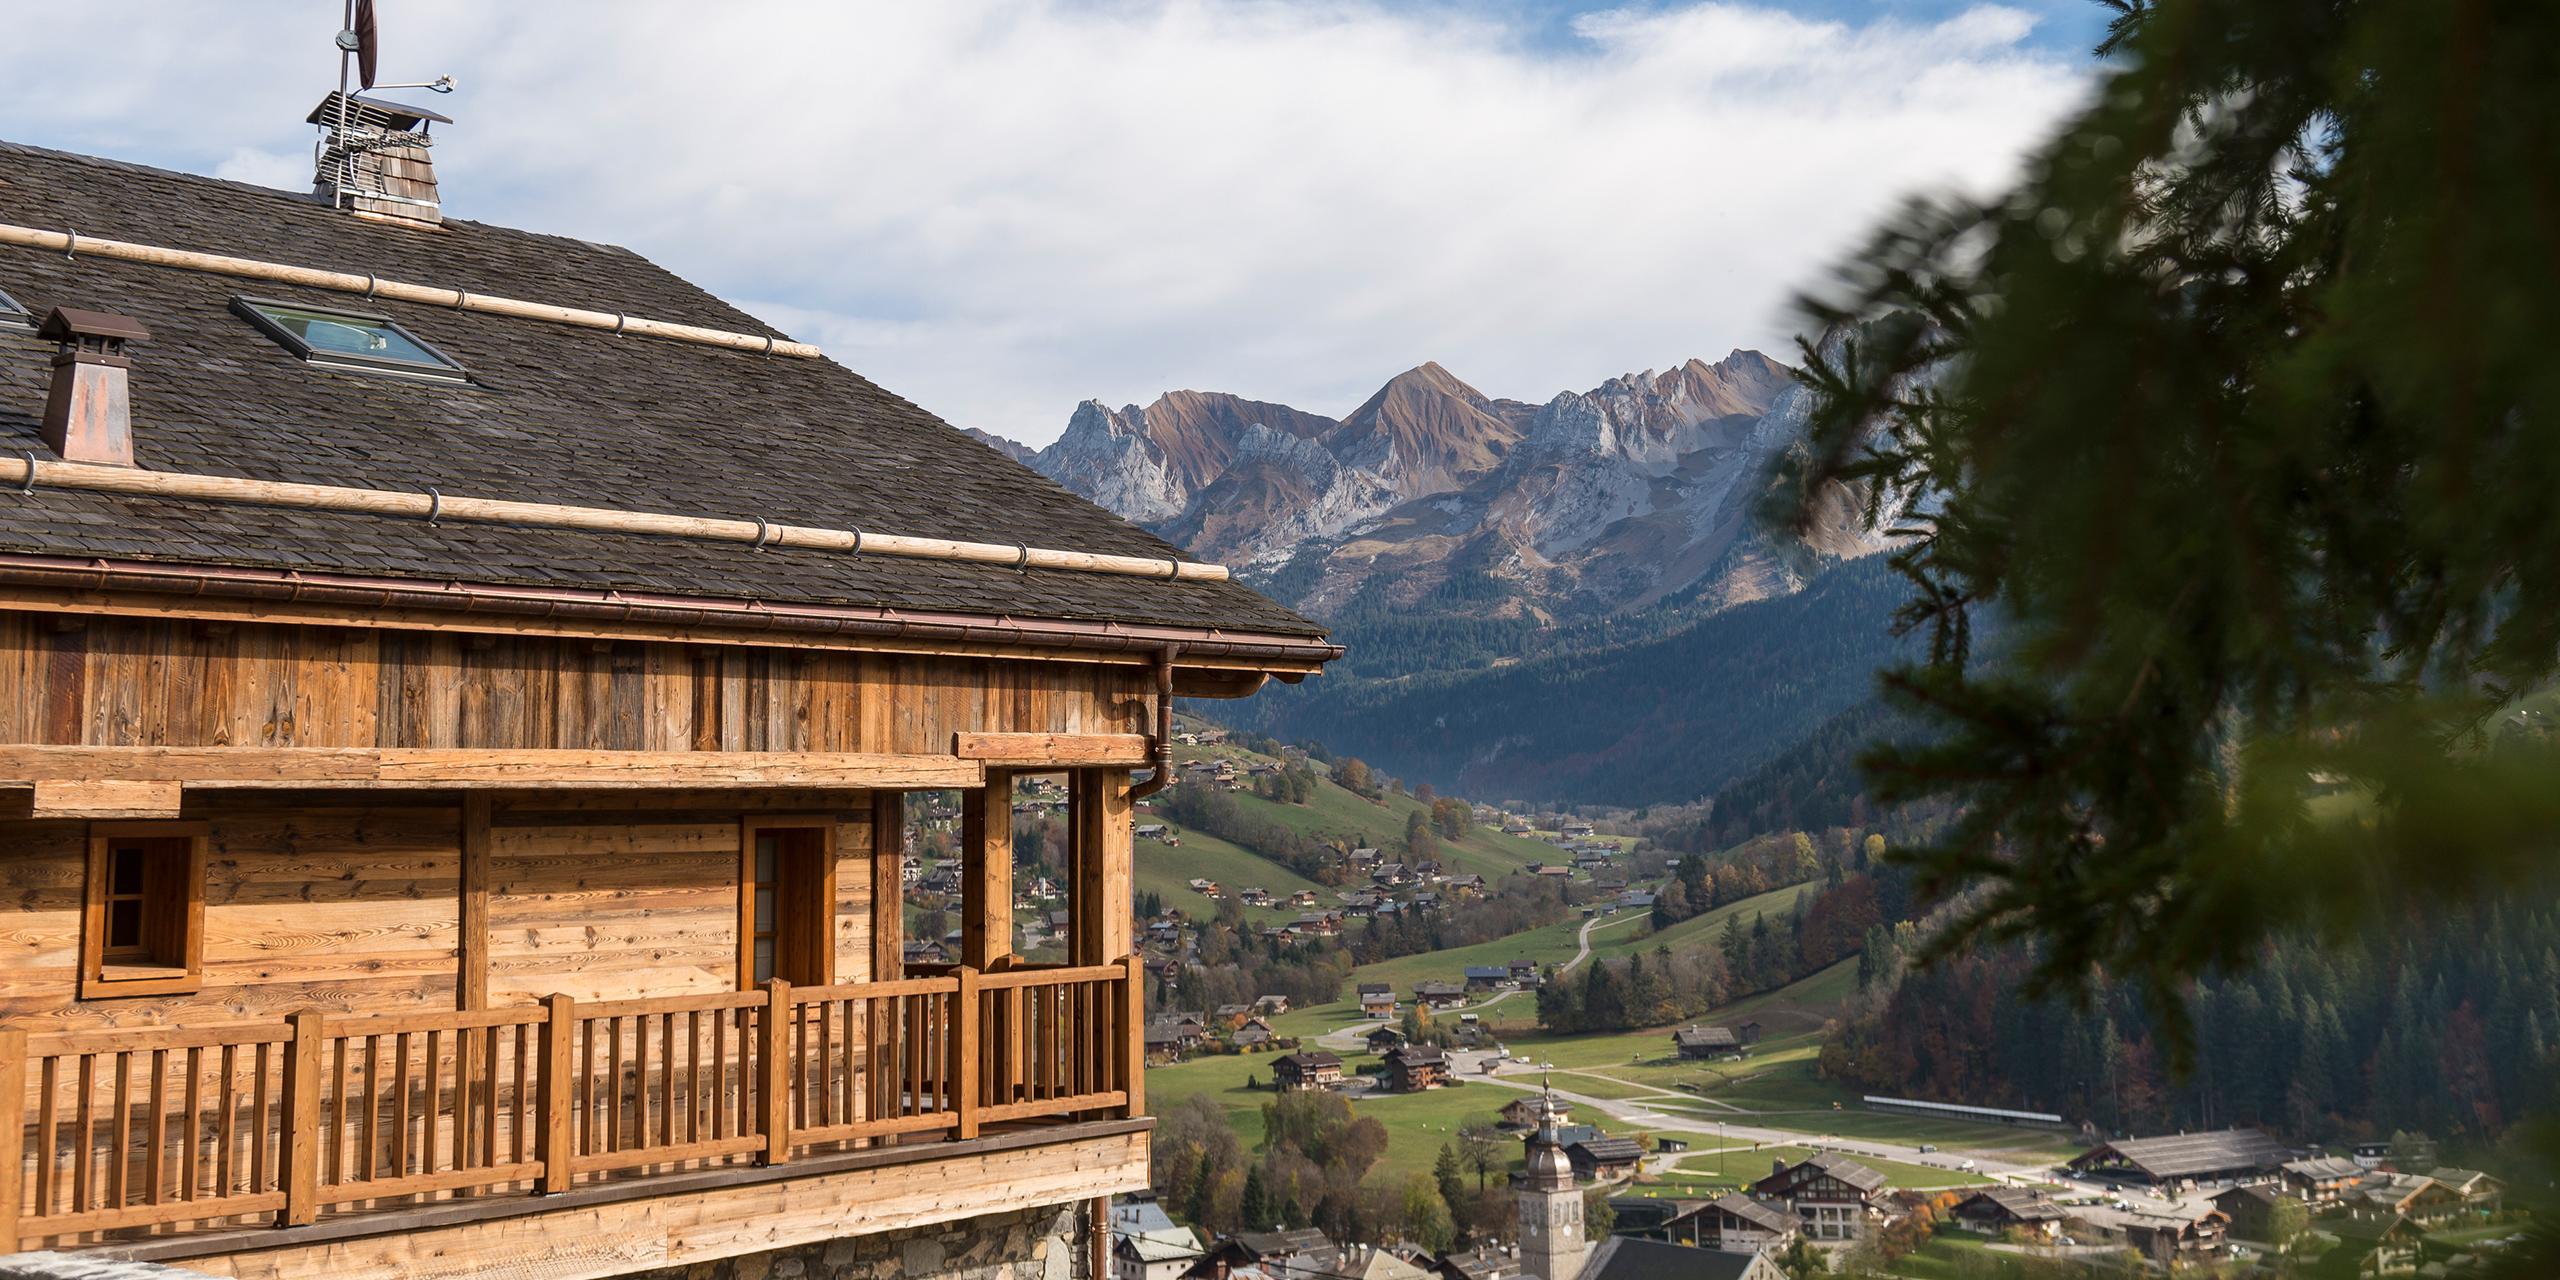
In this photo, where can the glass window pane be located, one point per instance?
(764, 959)
(124, 924)
(127, 876)
(348, 338)
(764, 910)
(10, 311)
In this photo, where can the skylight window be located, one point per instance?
(350, 340)
(13, 315)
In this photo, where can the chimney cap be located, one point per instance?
(66, 324)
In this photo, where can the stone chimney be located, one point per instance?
(375, 158)
(88, 414)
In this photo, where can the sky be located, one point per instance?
(999, 209)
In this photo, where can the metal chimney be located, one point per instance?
(88, 413)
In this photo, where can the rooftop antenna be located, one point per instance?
(359, 44)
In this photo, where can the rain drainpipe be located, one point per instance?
(1162, 754)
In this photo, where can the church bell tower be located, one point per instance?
(1551, 1241)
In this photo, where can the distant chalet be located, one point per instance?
(2188, 1159)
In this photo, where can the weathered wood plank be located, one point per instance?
(431, 768)
(1051, 750)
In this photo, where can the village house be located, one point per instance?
(1303, 898)
(1305, 1070)
(1522, 1113)
(1487, 977)
(1466, 886)
(459, 689)
(1377, 1000)
(1439, 995)
(1524, 973)
(2480, 1192)
(1381, 1040)
(1604, 1159)
(2387, 1245)
(1997, 1210)
(2250, 1209)
(2168, 1240)
(2179, 1161)
(2320, 1181)
(1734, 1224)
(1147, 1244)
(2418, 1198)
(1413, 1068)
(1836, 1197)
(1699, 1043)
(1270, 1006)
(1253, 1034)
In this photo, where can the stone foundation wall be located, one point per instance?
(1050, 1243)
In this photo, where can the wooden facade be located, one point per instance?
(470, 924)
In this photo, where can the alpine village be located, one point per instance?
(511, 765)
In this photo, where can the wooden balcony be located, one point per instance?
(151, 1137)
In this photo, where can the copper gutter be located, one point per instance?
(613, 606)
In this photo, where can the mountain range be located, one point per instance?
(1457, 542)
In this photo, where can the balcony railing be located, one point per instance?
(318, 1114)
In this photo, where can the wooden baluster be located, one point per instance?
(372, 1108)
(720, 1073)
(258, 1120)
(559, 1026)
(1130, 1037)
(489, 1094)
(431, 1105)
(187, 1126)
(466, 1074)
(120, 1148)
(13, 1118)
(613, 1084)
(693, 1075)
(300, 1142)
(84, 1147)
(667, 1076)
(153, 1165)
(400, 1105)
(964, 1053)
(230, 1130)
(527, 1107)
(48, 1121)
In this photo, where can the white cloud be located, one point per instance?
(998, 209)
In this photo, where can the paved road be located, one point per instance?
(1352, 1036)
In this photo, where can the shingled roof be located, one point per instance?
(553, 414)
(2192, 1155)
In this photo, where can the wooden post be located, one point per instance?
(888, 885)
(13, 1115)
(301, 1122)
(1132, 1049)
(471, 976)
(773, 1049)
(986, 868)
(964, 1053)
(1104, 871)
(557, 1099)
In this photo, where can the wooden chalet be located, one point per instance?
(1306, 1070)
(2187, 1159)
(1994, 1210)
(1604, 1159)
(1836, 1197)
(2322, 1180)
(459, 692)
(1412, 1068)
(1697, 1043)
(2168, 1241)
(1735, 1224)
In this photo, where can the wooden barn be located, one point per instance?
(459, 692)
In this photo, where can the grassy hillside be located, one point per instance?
(1337, 815)
(1698, 931)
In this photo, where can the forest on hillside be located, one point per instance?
(2443, 1021)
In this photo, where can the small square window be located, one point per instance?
(145, 929)
(350, 340)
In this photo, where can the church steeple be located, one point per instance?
(1551, 1241)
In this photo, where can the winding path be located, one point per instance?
(1353, 1035)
